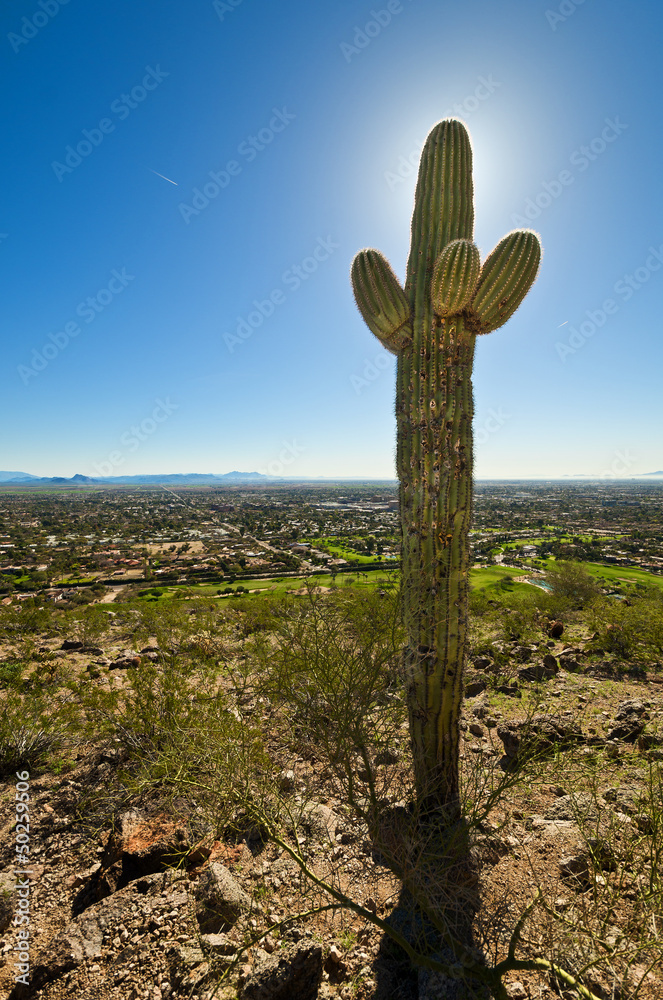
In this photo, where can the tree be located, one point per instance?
(572, 582)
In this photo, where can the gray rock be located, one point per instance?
(573, 807)
(218, 943)
(286, 781)
(522, 653)
(124, 662)
(553, 829)
(190, 956)
(295, 973)
(511, 689)
(475, 687)
(645, 823)
(574, 866)
(220, 901)
(83, 938)
(579, 868)
(539, 671)
(626, 799)
(630, 721)
(320, 821)
(541, 735)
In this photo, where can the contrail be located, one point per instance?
(165, 178)
(560, 325)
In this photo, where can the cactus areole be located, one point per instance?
(432, 325)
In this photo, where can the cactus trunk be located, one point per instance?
(432, 325)
(434, 462)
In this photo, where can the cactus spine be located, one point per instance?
(432, 326)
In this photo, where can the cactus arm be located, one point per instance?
(506, 277)
(381, 300)
(455, 277)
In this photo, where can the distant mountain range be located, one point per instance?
(8, 476)
(178, 479)
(25, 479)
(213, 479)
(187, 479)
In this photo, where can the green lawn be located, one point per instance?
(480, 579)
(518, 544)
(277, 586)
(621, 574)
(340, 551)
(611, 574)
(491, 576)
(563, 539)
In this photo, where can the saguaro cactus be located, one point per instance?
(432, 325)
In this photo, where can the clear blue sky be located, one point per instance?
(127, 293)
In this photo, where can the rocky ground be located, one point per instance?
(130, 896)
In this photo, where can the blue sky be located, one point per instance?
(298, 124)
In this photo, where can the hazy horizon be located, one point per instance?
(249, 478)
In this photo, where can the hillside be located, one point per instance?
(181, 772)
